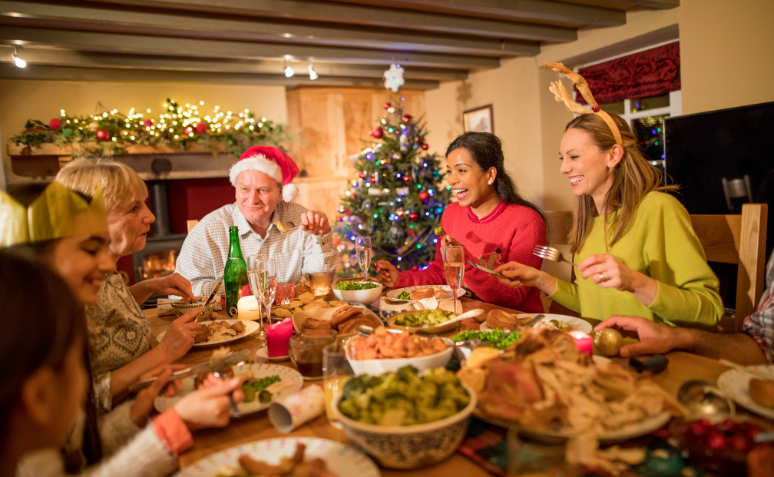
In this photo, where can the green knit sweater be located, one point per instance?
(662, 245)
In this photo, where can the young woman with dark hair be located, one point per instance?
(489, 219)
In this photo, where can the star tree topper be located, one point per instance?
(393, 78)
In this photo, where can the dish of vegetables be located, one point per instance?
(495, 338)
(350, 285)
(424, 317)
(404, 296)
(403, 398)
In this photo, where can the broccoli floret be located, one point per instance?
(359, 385)
(249, 392)
(349, 409)
(405, 372)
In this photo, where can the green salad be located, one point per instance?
(417, 318)
(403, 398)
(258, 388)
(349, 285)
(404, 296)
(496, 338)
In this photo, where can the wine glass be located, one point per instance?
(263, 282)
(454, 269)
(363, 251)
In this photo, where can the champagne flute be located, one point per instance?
(363, 250)
(252, 264)
(454, 269)
(263, 283)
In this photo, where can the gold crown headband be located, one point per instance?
(561, 94)
(57, 213)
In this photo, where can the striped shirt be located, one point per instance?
(203, 256)
(760, 325)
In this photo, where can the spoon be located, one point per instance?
(466, 315)
(704, 400)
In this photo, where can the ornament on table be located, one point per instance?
(147, 123)
(201, 128)
(67, 132)
(386, 105)
(424, 196)
(406, 179)
(393, 78)
(413, 216)
(376, 132)
(55, 123)
(404, 143)
(405, 118)
(103, 134)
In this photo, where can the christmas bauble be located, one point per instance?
(189, 130)
(348, 211)
(406, 179)
(67, 132)
(376, 132)
(147, 123)
(425, 146)
(405, 118)
(201, 128)
(413, 216)
(55, 123)
(386, 105)
(93, 126)
(362, 174)
(103, 134)
(414, 268)
(424, 196)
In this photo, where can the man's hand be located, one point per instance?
(180, 336)
(173, 284)
(315, 223)
(386, 273)
(655, 338)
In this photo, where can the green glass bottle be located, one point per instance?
(235, 273)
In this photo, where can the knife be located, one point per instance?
(484, 269)
(212, 295)
(231, 359)
(533, 320)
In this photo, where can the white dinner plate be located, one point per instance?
(250, 371)
(394, 293)
(250, 328)
(342, 460)
(736, 384)
(575, 323)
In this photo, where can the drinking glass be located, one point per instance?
(263, 282)
(336, 371)
(320, 283)
(454, 268)
(306, 352)
(252, 261)
(363, 251)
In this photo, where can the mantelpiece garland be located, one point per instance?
(111, 132)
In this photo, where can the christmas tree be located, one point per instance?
(397, 200)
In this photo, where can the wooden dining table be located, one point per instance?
(682, 367)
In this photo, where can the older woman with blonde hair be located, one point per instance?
(636, 250)
(119, 333)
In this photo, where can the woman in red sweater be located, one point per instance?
(489, 219)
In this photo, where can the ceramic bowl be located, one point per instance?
(181, 309)
(375, 367)
(409, 447)
(365, 297)
(431, 329)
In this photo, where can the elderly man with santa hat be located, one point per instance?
(263, 178)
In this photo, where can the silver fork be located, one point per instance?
(222, 375)
(551, 254)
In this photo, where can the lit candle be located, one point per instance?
(277, 337)
(248, 309)
(583, 342)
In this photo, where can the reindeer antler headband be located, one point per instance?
(561, 94)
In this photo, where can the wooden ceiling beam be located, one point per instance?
(119, 19)
(367, 15)
(530, 10)
(80, 59)
(187, 47)
(64, 73)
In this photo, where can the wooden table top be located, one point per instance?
(682, 367)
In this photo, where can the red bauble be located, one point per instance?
(414, 268)
(376, 132)
(147, 123)
(362, 174)
(387, 105)
(595, 108)
(55, 123)
(413, 216)
(406, 179)
(405, 118)
(424, 196)
(425, 146)
(201, 128)
(189, 130)
(103, 134)
(348, 211)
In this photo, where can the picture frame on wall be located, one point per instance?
(479, 119)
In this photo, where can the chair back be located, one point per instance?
(559, 223)
(190, 224)
(740, 240)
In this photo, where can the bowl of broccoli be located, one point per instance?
(362, 292)
(406, 419)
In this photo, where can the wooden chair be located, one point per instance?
(741, 240)
(559, 225)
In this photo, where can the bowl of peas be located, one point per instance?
(428, 321)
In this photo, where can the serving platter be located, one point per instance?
(445, 288)
(251, 371)
(250, 328)
(736, 384)
(325, 314)
(342, 460)
(431, 329)
(575, 323)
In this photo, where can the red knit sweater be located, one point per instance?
(514, 229)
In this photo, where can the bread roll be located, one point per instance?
(762, 392)
(499, 319)
(343, 313)
(422, 293)
(314, 324)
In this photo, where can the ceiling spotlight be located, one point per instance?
(17, 59)
(288, 70)
(312, 73)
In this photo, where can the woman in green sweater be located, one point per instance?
(636, 251)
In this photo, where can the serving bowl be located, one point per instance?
(181, 309)
(365, 297)
(431, 329)
(409, 447)
(374, 367)
(325, 314)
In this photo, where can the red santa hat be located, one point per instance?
(271, 161)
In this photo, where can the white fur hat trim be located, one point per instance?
(289, 192)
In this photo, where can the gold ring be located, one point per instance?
(601, 277)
